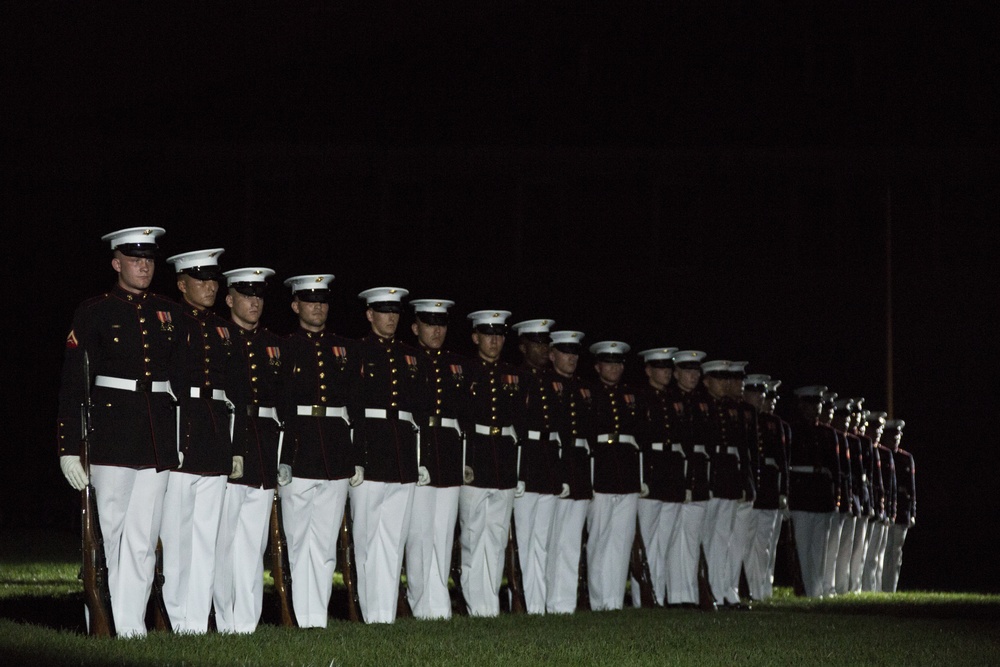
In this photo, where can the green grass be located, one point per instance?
(41, 611)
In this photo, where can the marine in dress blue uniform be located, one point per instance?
(195, 490)
(906, 504)
(257, 426)
(136, 355)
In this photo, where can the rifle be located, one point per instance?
(156, 610)
(582, 585)
(513, 569)
(706, 599)
(458, 604)
(281, 571)
(403, 609)
(640, 569)
(94, 570)
(346, 558)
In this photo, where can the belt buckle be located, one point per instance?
(495, 430)
(251, 411)
(612, 438)
(433, 421)
(143, 386)
(318, 411)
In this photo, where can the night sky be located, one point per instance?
(658, 173)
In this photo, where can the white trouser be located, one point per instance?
(775, 538)
(130, 507)
(740, 542)
(610, 532)
(562, 569)
(312, 511)
(717, 536)
(893, 557)
(684, 552)
(842, 578)
(655, 535)
(429, 544)
(484, 517)
(836, 520)
(239, 558)
(380, 512)
(764, 524)
(858, 553)
(812, 531)
(872, 578)
(192, 510)
(533, 519)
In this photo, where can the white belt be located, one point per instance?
(264, 413)
(732, 451)
(379, 413)
(700, 449)
(770, 462)
(320, 411)
(496, 430)
(812, 470)
(656, 446)
(618, 437)
(677, 447)
(156, 387)
(216, 394)
(443, 422)
(582, 444)
(537, 435)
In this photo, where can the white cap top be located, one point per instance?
(310, 282)
(875, 415)
(566, 338)
(738, 366)
(250, 274)
(716, 366)
(195, 259)
(812, 390)
(829, 396)
(658, 353)
(533, 326)
(489, 317)
(756, 380)
(689, 357)
(135, 236)
(610, 347)
(894, 424)
(431, 305)
(772, 385)
(383, 294)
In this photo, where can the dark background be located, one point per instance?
(670, 173)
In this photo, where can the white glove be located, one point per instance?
(359, 476)
(467, 475)
(913, 521)
(284, 474)
(519, 489)
(74, 472)
(237, 468)
(644, 490)
(180, 459)
(565, 491)
(687, 495)
(423, 476)
(782, 502)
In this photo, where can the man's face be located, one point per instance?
(770, 403)
(687, 378)
(535, 354)
(564, 363)
(245, 310)
(840, 421)
(810, 410)
(755, 398)
(894, 440)
(198, 293)
(430, 336)
(488, 346)
(659, 377)
(610, 372)
(312, 314)
(734, 387)
(383, 324)
(134, 273)
(717, 387)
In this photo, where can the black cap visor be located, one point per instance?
(492, 329)
(313, 295)
(386, 306)
(433, 318)
(203, 272)
(250, 289)
(147, 250)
